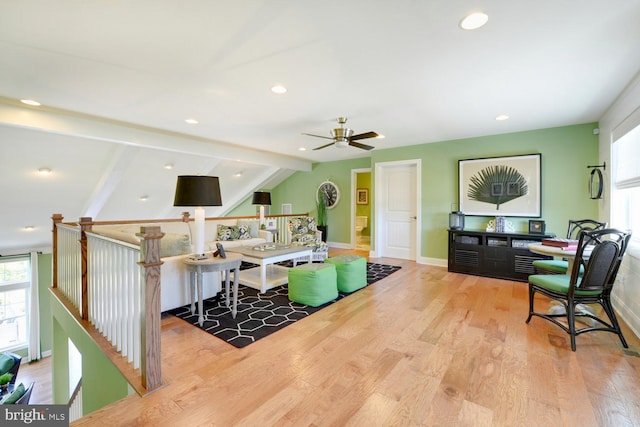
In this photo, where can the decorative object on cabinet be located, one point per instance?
(507, 226)
(536, 227)
(507, 186)
(456, 220)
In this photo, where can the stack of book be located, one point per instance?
(564, 244)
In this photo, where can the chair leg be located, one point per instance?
(531, 294)
(608, 308)
(571, 320)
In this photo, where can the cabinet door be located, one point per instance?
(495, 260)
(465, 260)
(522, 265)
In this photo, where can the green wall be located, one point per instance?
(565, 153)
(102, 382)
(300, 189)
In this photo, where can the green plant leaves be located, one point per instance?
(497, 185)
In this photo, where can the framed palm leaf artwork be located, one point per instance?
(500, 186)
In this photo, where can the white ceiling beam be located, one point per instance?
(95, 128)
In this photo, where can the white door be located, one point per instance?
(397, 209)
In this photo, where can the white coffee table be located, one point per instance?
(267, 275)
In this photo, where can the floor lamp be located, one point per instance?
(261, 198)
(198, 191)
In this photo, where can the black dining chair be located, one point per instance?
(599, 255)
(560, 266)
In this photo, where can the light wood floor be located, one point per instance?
(422, 347)
(40, 373)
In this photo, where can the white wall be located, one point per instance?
(626, 293)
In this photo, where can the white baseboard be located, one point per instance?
(630, 318)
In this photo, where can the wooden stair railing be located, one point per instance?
(85, 280)
(127, 331)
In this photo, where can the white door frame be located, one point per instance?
(354, 187)
(379, 167)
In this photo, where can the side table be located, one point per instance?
(196, 267)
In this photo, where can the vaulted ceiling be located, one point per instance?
(117, 79)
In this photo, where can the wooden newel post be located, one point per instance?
(85, 225)
(150, 368)
(57, 219)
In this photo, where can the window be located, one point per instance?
(15, 281)
(625, 199)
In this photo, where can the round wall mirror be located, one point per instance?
(595, 184)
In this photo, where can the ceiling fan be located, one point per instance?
(343, 137)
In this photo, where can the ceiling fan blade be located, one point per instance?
(325, 146)
(364, 136)
(317, 136)
(358, 145)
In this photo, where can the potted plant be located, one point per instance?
(321, 219)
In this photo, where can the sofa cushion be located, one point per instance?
(233, 232)
(17, 393)
(174, 244)
(254, 226)
(6, 363)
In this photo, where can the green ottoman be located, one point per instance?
(313, 284)
(351, 270)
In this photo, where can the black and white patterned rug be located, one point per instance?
(258, 314)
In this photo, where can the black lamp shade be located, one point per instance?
(261, 198)
(197, 190)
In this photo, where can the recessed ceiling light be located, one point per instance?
(30, 102)
(168, 166)
(238, 174)
(144, 198)
(191, 121)
(502, 117)
(29, 228)
(44, 171)
(278, 89)
(380, 136)
(474, 21)
(302, 149)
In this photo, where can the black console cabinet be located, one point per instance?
(499, 255)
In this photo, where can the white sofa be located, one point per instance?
(177, 244)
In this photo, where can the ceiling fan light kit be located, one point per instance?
(343, 137)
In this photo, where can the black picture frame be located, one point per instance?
(501, 186)
(220, 252)
(536, 226)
